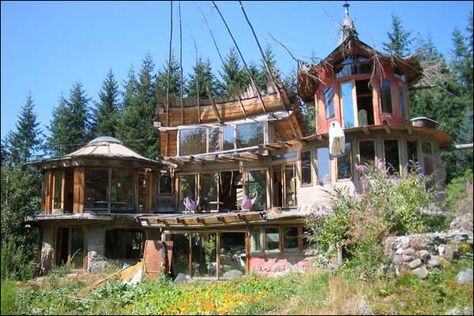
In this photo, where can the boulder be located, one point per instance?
(415, 263)
(424, 255)
(233, 274)
(464, 277)
(434, 262)
(182, 278)
(409, 252)
(421, 272)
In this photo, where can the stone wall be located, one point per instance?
(96, 249)
(419, 253)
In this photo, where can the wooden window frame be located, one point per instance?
(358, 156)
(351, 163)
(318, 181)
(354, 101)
(400, 167)
(302, 184)
(69, 227)
(283, 179)
(381, 97)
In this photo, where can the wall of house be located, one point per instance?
(47, 248)
(96, 248)
(280, 263)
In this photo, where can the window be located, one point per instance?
(250, 134)
(228, 133)
(290, 185)
(192, 141)
(291, 237)
(353, 65)
(386, 97)
(123, 243)
(412, 153)
(287, 155)
(231, 253)
(306, 168)
(204, 255)
(427, 159)
(208, 194)
(426, 148)
(392, 159)
(165, 184)
(255, 240)
(214, 139)
(96, 189)
(403, 110)
(122, 190)
(58, 184)
(272, 239)
(329, 102)
(70, 246)
(367, 151)
(344, 169)
(187, 187)
(323, 165)
(347, 105)
(256, 186)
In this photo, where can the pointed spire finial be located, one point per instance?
(346, 6)
(347, 27)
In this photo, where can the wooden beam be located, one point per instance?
(366, 131)
(214, 107)
(387, 129)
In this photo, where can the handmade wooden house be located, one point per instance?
(237, 177)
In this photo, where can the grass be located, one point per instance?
(322, 292)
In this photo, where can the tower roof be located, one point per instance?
(347, 27)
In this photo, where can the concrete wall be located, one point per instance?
(96, 248)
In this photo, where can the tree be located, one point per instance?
(139, 112)
(233, 75)
(26, 139)
(201, 77)
(107, 111)
(175, 81)
(70, 124)
(399, 39)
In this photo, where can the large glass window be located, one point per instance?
(204, 262)
(272, 238)
(208, 194)
(123, 243)
(386, 96)
(256, 186)
(181, 254)
(96, 183)
(250, 134)
(392, 159)
(291, 238)
(192, 141)
(290, 185)
(58, 182)
(165, 184)
(122, 190)
(255, 240)
(347, 105)
(329, 102)
(353, 65)
(232, 254)
(367, 151)
(214, 139)
(228, 134)
(323, 165)
(306, 167)
(344, 169)
(412, 153)
(187, 187)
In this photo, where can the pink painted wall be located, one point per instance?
(279, 263)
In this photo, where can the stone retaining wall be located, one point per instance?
(418, 253)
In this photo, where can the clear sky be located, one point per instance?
(48, 46)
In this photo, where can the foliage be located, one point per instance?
(107, 112)
(234, 76)
(399, 39)
(8, 297)
(457, 192)
(359, 222)
(201, 78)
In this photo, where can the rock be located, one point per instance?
(441, 249)
(464, 277)
(233, 274)
(405, 242)
(399, 251)
(434, 262)
(421, 272)
(409, 252)
(415, 263)
(407, 258)
(424, 255)
(182, 278)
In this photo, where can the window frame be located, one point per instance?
(399, 167)
(318, 180)
(383, 106)
(351, 176)
(330, 104)
(306, 184)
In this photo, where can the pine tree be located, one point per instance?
(175, 82)
(26, 139)
(399, 39)
(139, 112)
(233, 75)
(202, 76)
(70, 125)
(107, 110)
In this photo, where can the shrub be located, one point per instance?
(458, 193)
(8, 297)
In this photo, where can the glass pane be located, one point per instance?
(344, 166)
(204, 262)
(287, 155)
(77, 248)
(367, 151)
(386, 97)
(392, 159)
(323, 165)
(412, 154)
(165, 184)
(180, 262)
(329, 102)
(123, 243)
(306, 167)
(256, 186)
(122, 191)
(272, 238)
(96, 185)
(347, 105)
(208, 194)
(427, 148)
(250, 134)
(228, 134)
(214, 140)
(255, 240)
(291, 237)
(403, 113)
(187, 187)
(290, 184)
(58, 182)
(192, 141)
(232, 254)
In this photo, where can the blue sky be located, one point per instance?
(48, 46)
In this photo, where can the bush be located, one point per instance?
(458, 193)
(8, 297)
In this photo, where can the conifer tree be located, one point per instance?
(175, 82)
(107, 111)
(26, 139)
(399, 39)
(201, 77)
(233, 75)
